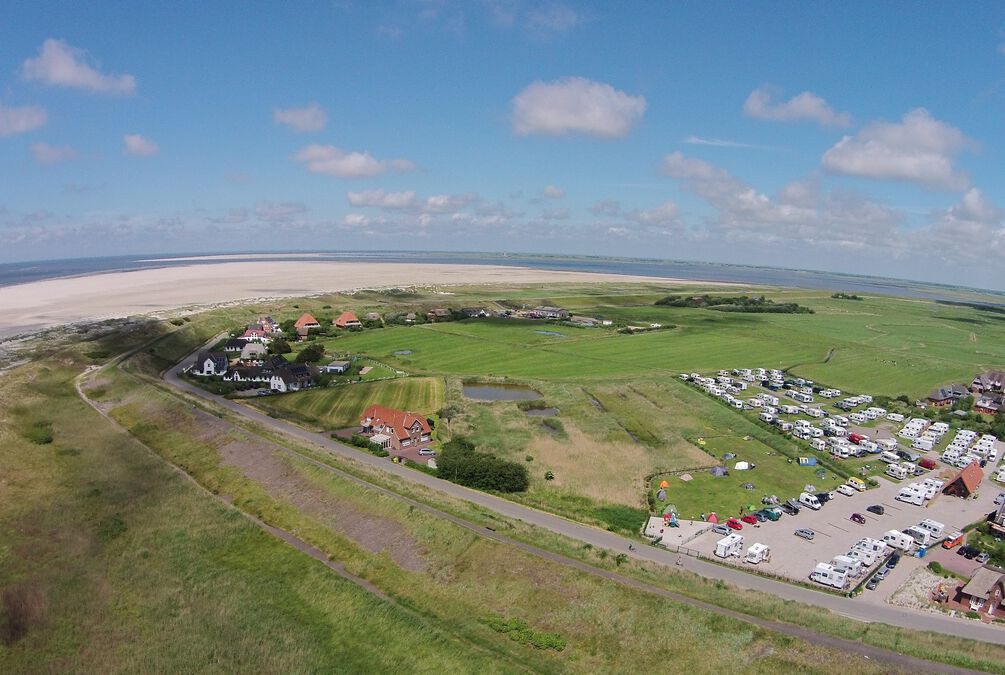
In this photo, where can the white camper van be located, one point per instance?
(729, 546)
(911, 495)
(758, 553)
(934, 527)
(896, 471)
(806, 499)
(889, 457)
(828, 575)
(921, 537)
(853, 566)
(898, 540)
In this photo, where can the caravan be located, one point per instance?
(889, 457)
(898, 540)
(853, 566)
(934, 527)
(868, 550)
(758, 553)
(729, 546)
(921, 537)
(912, 494)
(896, 471)
(828, 575)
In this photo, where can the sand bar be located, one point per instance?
(42, 304)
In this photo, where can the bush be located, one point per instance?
(39, 433)
(521, 632)
(937, 568)
(311, 354)
(279, 346)
(460, 463)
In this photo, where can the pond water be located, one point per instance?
(542, 412)
(500, 392)
(550, 332)
(403, 352)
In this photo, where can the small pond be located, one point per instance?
(500, 392)
(403, 352)
(542, 412)
(550, 332)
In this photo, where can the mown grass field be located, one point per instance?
(341, 406)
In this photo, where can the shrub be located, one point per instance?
(39, 433)
(311, 354)
(521, 632)
(937, 568)
(460, 463)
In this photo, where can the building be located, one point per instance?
(337, 367)
(587, 321)
(984, 591)
(255, 334)
(306, 322)
(997, 520)
(989, 405)
(991, 382)
(292, 377)
(209, 364)
(946, 396)
(373, 316)
(253, 350)
(966, 482)
(395, 430)
(234, 345)
(438, 314)
(410, 317)
(475, 312)
(347, 320)
(546, 312)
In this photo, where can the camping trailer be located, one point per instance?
(934, 527)
(896, 471)
(921, 537)
(828, 575)
(729, 546)
(757, 553)
(898, 540)
(853, 566)
(889, 457)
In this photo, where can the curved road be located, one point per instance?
(848, 607)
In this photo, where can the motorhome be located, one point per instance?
(806, 499)
(911, 495)
(857, 483)
(868, 550)
(758, 553)
(922, 444)
(828, 575)
(931, 487)
(921, 537)
(767, 417)
(898, 540)
(840, 420)
(889, 457)
(934, 527)
(853, 566)
(729, 546)
(896, 471)
(818, 444)
(887, 444)
(1000, 474)
(868, 446)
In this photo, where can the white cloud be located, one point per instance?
(138, 146)
(576, 105)
(328, 159)
(553, 192)
(919, 149)
(51, 154)
(806, 106)
(381, 199)
(59, 64)
(279, 212)
(19, 120)
(664, 214)
(717, 142)
(308, 118)
(972, 230)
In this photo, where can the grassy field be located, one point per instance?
(341, 406)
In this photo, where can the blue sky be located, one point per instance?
(841, 136)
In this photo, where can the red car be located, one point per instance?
(734, 524)
(749, 519)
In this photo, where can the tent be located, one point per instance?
(686, 477)
(664, 484)
(669, 508)
(748, 486)
(729, 455)
(742, 466)
(807, 461)
(662, 495)
(719, 471)
(712, 518)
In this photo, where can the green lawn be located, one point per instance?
(341, 405)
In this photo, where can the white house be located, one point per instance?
(209, 364)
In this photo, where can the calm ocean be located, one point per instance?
(16, 273)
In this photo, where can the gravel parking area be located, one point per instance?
(794, 557)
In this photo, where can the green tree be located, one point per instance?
(279, 346)
(311, 354)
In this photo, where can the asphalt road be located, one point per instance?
(849, 607)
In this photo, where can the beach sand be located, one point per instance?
(42, 304)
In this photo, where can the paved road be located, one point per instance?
(603, 539)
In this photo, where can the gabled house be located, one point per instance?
(292, 377)
(989, 405)
(991, 382)
(475, 312)
(306, 322)
(945, 396)
(269, 325)
(395, 429)
(373, 316)
(984, 591)
(246, 374)
(410, 317)
(347, 320)
(551, 312)
(253, 350)
(233, 345)
(209, 364)
(255, 334)
(966, 482)
(438, 314)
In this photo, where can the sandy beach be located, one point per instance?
(53, 302)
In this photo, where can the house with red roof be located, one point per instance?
(966, 482)
(395, 429)
(347, 320)
(306, 322)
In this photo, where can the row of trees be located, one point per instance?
(736, 303)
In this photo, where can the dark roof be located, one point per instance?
(982, 583)
(992, 379)
(952, 392)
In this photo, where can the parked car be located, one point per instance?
(982, 557)
(968, 552)
(749, 519)
(877, 509)
(789, 509)
(846, 490)
(427, 452)
(805, 533)
(734, 524)
(858, 518)
(720, 528)
(824, 497)
(892, 562)
(881, 574)
(1000, 498)
(774, 513)
(954, 539)
(872, 584)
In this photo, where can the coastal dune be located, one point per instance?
(37, 305)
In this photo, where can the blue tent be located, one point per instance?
(807, 461)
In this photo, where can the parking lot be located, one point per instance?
(794, 557)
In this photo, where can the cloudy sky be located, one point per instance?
(857, 137)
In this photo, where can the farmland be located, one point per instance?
(624, 420)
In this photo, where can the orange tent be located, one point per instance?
(664, 484)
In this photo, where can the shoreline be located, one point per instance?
(36, 306)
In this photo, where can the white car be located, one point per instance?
(846, 490)
(426, 452)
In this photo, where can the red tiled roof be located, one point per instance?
(398, 421)
(346, 318)
(306, 320)
(971, 476)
